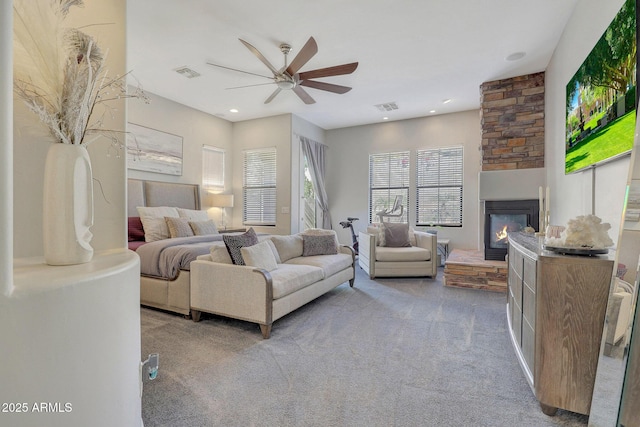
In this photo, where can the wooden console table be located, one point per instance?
(555, 308)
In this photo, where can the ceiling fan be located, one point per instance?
(288, 77)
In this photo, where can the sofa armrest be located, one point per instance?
(237, 291)
(367, 253)
(429, 241)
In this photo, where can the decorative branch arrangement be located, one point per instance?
(60, 74)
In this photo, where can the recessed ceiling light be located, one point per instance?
(515, 56)
(432, 111)
(446, 101)
(233, 110)
(385, 118)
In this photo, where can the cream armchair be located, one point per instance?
(417, 260)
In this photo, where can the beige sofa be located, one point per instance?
(256, 295)
(417, 260)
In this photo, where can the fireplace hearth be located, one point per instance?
(505, 216)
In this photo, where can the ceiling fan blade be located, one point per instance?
(241, 87)
(329, 87)
(329, 71)
(273, 95)
(306, 53)
(303, 95)
(240, 71)
(260, 56)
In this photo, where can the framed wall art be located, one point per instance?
(151, 150)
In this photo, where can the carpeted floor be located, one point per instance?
(389, 352)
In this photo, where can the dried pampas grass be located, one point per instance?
(59, 73)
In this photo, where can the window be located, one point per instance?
(439, 187)
(259, 187)
(388, 178)
(212, 168)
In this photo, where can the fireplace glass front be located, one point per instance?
(501, 224)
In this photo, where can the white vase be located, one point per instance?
(68, 205)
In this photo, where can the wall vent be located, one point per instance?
(187, 72)
(387, 106)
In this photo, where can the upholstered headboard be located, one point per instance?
(156, 193)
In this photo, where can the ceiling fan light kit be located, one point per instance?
(288, 78)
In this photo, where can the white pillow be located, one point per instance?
(153, 222)
(192, 214)
(260, 256)
(219, 253)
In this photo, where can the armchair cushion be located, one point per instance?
(407, 254)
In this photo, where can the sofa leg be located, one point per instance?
(266, 331)
(351, 282)
(195, 315)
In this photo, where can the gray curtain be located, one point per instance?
(315, 154)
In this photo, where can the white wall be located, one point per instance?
(275, 132)
(196, 128)
(71, 334)
(348, 167)
(573, 195)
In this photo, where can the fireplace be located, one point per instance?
(505, 216)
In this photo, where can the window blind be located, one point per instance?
(439, 177)
(388, 178)
(259, 187)
(212, 168)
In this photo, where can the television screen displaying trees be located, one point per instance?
(601, 97)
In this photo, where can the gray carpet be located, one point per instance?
(389, 352)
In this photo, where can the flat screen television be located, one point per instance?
(601, 97)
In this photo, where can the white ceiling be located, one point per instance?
(416, 53)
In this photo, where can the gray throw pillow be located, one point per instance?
(202, 228)
(318, 245)
(396, 235)
(234, 242)
(178, 227)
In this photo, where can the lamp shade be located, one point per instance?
(221, 200)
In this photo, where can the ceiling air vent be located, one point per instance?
(187, 72)
(388, 106)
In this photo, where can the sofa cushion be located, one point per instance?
(330, 264)
(234, 242)
(396, 235)
(260, 256)
(288, 278)
(288, 246)
(411, 253)
(319, 245)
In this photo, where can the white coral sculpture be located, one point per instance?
(585, 231)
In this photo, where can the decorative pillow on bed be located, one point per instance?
(136, 232)
(396, 235)
(235, 242)
(192, 214)
(178, 227)
(155, 226)
(260, 256)
(202, 228)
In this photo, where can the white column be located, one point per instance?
(6, 148)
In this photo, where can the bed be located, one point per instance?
(166, 288)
